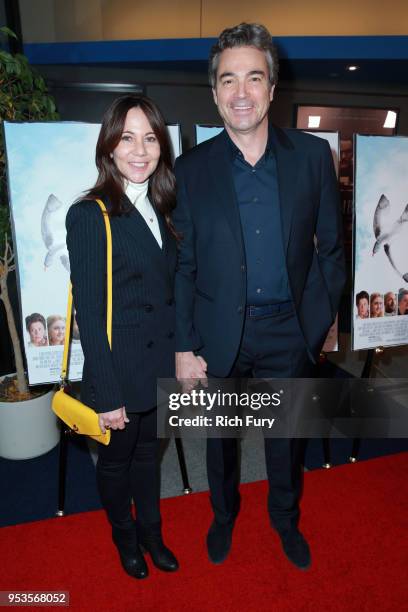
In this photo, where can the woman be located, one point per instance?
(376, 306)
(56, 330)
(35, 325)
(137, 186)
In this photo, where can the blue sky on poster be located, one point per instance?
(381, 168)
(44, 159)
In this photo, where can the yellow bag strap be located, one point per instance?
(64, 366)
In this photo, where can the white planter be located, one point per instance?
(28, 429)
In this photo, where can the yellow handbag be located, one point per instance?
(79, 417)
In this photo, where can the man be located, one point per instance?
(403, 302)
(362, 305)
(255, 293)
(390, 303)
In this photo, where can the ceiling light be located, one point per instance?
(352, 68)
(314, 121)
(390, 120)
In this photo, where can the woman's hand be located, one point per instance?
(115, 419)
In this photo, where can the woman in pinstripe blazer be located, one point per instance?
(136, 183)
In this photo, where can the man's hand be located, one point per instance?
(115, 419)
(190, 370)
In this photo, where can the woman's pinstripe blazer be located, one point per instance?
(143, 317)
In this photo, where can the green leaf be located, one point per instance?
(4, 56)
(8, 32)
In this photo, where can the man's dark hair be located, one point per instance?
(244, 35)
(362, 295)
(34, 318)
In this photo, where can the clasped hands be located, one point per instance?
(190, 370)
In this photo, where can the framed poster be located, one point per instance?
(380, 242)
(49, 166)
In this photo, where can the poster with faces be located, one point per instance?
(49, 166)
(205, 132)
(380, 291)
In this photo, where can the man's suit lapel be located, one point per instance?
(287, 160)
(219, 162)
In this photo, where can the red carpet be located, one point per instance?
(354, 516)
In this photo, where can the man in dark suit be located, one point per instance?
(261, 267)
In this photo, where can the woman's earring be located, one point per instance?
(111, 155)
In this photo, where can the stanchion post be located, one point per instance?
(366, 373)
(326, 454)
(183, 468)
(62, 468)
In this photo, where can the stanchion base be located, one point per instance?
(327, 466)
(353, 459)
(60, 513)
(187, 491)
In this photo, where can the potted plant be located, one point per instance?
(27, 425)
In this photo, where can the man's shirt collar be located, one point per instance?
(236, 153)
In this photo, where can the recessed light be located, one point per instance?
(314, 121)
(352, 68)
(390, 120)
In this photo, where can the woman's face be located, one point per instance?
(362, 308)
(377, 307)
(37, 333)
(56, 332)
(138, 152)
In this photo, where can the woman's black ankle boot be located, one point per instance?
(130, 554)
(151, 541)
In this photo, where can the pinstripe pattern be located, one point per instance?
(143, 307)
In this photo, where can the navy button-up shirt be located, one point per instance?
(257, 192)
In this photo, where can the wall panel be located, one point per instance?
(79, 20)
(312, 18)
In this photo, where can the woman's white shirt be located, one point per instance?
(137, 194)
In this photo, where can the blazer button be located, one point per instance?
(170, 335)
(170, 302)
(240, 309)
(148, 308)
(150, 344)
(242, 268)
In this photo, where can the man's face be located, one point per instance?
(242, 91)
(389, 302)
(403, 305)
(37, 333)
(362, 308)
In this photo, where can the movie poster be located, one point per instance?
(205, 132)
(49, 166)
(380, 295)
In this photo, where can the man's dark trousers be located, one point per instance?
(272, 347)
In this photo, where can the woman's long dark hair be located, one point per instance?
(162, 184)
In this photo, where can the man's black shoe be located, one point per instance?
(161, 556)
(219, 540)
(296, 548)
(130, 554)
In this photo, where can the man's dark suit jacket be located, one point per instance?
(211, 278)
(143, 319)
